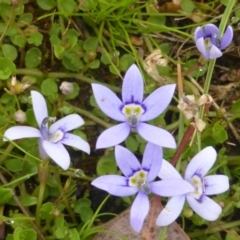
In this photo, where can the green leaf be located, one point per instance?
(106, 165)
(235, 108)
(197, 73)
(66, 108)
(90, 44)
(187, 6)
(46, 4)
(6, 195)
(48, 87)
(24, 234)
(81, 204)
(75, 92)
(95, 64)
(33, 57)
(160, 20)
(219, 133)
(232, 235)
(126, 61)
(18, 40)
(26, 201)
(7, 68)
(14, 165)
(71, 61)
(67, 7)
(131, 144)
(25, 19)
(9, 51)
(35, 38)
(47, 210)
(73, 235)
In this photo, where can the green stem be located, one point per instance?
(43, 172)
(92, 117)
(7, 151)
(233, 160)
(37, 73)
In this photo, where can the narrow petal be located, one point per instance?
(126, 161)
(19, 132)
(168, 171)
(171, 211)
(108, 102)
(76, 142)
(156, 135)
(210, 29)
(207, 208)
(113, 136)
(139, 211)
(42, 153)
(115, 185)
(39, 107)
(157, 102)
(201, 163)
(201, 47)
(171, 187)
(216, 184)
(215, 52)
(132, 88)
(152, 160)
(227, 37)
(58, 153)
(67, 123)
(198, 33)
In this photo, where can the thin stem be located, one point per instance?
(7, 151)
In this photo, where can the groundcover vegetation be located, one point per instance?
(119, 119)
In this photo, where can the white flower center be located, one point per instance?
(132, 113)
(56, 137)
(198, 184)
(139, 180)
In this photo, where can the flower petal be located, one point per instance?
(214, 52)
(171, 187)
(216, 184)
(19, 132)
(168, 171)
(126, 161)
(139, 211)
(171, 211)
(113, 136)
(67, 123)
(152, 160)
(210, 29)
(115, 185)
(76, 142)
(39, 107)
(198, 33)
(58, 153)
(132, 88)
(207, 208)
(227, 37)
(156, 135)
(201, 47)
(108, 102)
(201, 163)
(42, 153)
(157, 102)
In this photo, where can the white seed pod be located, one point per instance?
(20, 116)
(66, 88)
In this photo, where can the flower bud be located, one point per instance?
(66, 88)
(20, 116)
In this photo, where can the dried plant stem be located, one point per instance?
(25, 212)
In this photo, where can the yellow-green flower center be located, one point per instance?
(57, 136)
(132, 113)
(198, 184)
(139, 180)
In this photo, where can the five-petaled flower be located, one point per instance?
(203, 186)
(51, 139)
(132, 111)
(208, 41)
(139, 179)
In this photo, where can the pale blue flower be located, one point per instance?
(51, 139)
(203, 185)
(138, 179)
(209, 42)
(132, 111)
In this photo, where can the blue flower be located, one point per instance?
(208, 41)
(51, 139)
(132, 111)
(139, 179)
